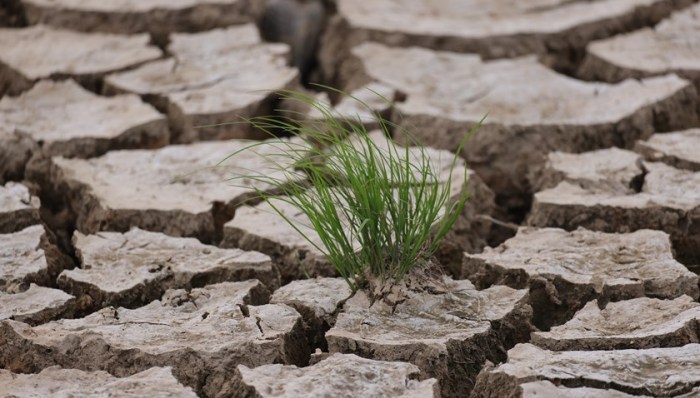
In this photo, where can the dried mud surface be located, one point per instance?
(203, 334)
(660, 197)
(90, 124)
(54, 381)
(651, 372)
(339, 376)
(131, 264)
(499, 29)
(670, 46)
(564, 270)
(157, 17)
(181, 190)
(42, 52)
(212, 82)
(138, 266)
(530, 107)
(446, 328)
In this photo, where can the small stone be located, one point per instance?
(138, 266)
(680, 149)
(55, 382)
(498, 29)
(40, 52)
(664, 198)
(531, 109)
(90, 125)
(449, 334)
(665, 323)
(656, 372)
(203, 334)
(158, 17)
(342, 376)
(180, 190)
(36, 305)
(28, 257)
(213, 83)
(671, 46)
(18, 208)
(318, 301)
(565, 270)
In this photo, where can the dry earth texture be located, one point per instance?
(130, 265)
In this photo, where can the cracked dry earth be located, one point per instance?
(130, 266)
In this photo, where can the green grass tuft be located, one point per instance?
(379, 209)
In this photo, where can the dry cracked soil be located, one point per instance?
(132, 265)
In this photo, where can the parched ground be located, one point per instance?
(137, 260)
